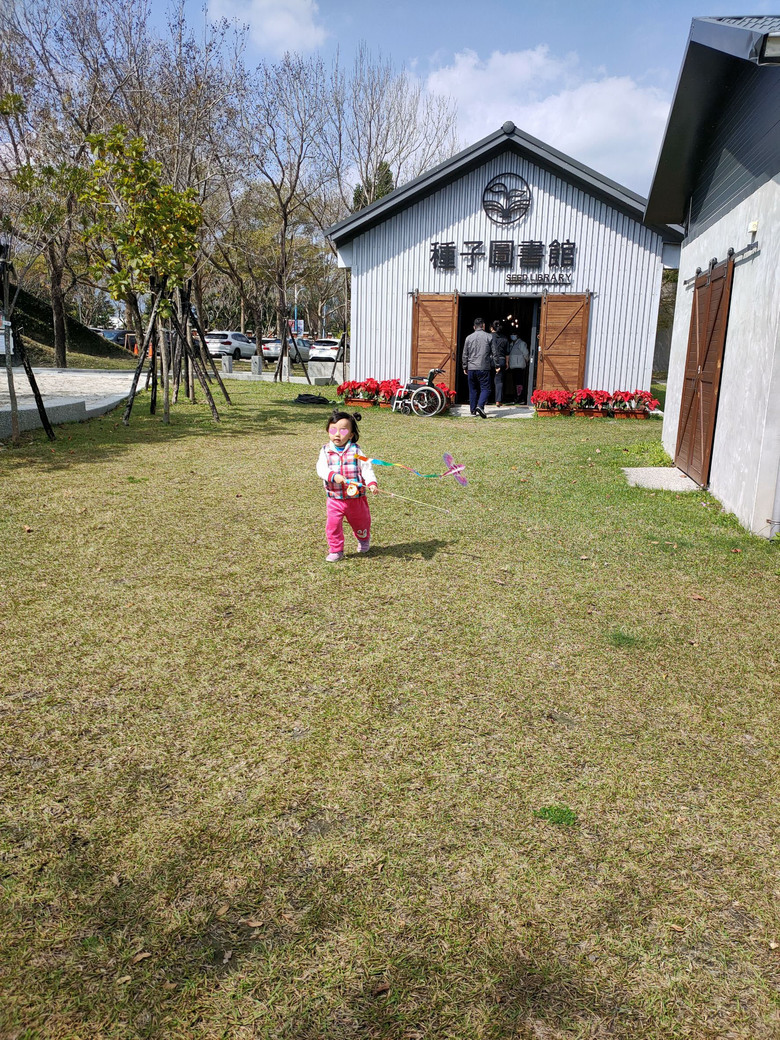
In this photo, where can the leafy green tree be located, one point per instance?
(139, 227)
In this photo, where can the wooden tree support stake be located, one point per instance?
(17, 336)
(141, 359)
(194, 361)
(206, 358)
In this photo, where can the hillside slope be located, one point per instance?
(86, 349)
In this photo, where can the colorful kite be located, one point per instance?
(453, 469)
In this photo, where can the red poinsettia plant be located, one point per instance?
(587, 398)
(644, 401)
(367, 390)
(449, 394)
(638, 401)
(555, 400)
(348, 389)
(388, 388)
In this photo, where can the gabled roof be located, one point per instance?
(715, 46)
(507, 138)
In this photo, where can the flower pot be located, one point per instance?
(589, 412)
(358, 402)
(552, 412)
(385, 404)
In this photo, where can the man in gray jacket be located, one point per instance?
(477, 361)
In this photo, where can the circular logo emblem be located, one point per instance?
(506, 199)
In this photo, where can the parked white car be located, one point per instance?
(324, 350)
(234, 343)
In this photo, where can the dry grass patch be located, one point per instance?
(249, 794)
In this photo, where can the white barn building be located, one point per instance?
(509, 228)
(719, 173)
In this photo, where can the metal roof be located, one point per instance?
(714, 46)
(508, 137)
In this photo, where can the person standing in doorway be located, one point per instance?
(476, 362)
(500, 348)
(518, 363)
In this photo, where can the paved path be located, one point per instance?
(69, 394)
(660, 478)
(509, 411)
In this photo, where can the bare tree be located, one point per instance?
(380, 121)
(283, 121)
(41, 151)
(95, 65)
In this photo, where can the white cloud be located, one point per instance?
(611, 123)
(275, 26)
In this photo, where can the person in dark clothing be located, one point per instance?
(476, 361)
(518, 362)
(500, 352)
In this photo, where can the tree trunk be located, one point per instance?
(153, 371)
(166, 371)
(20, 349)
(135, 322)
(11, 388)
(283, 364)
(56, 274)
(257, 317)
(197, 288)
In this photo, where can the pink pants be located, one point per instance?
(357, 514)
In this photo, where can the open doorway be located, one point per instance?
(519, 315)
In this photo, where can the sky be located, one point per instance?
(593, 80)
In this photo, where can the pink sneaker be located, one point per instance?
(334, 557)
(364, 545)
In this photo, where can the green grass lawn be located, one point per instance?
(511, 775)
(658, 390)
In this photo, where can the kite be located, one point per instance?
(453, 469)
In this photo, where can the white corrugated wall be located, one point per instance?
(618, 259)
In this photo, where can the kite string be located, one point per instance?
(415, 501)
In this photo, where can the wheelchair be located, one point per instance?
(420, 397)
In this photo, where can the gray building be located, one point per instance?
(718, 173)
(509, 228)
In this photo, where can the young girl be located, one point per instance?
(346, 478)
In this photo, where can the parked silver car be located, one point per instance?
(272, 348)
(299, 350)
(234, 343)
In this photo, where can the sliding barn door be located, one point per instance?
(563, 341)
(703, 363)
(434, 335)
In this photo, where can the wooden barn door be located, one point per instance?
(434, 335)
(701, 382)
(563, 341)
